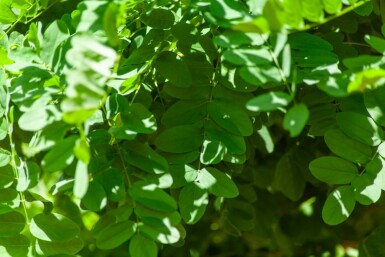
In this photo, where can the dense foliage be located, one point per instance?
(192, 128)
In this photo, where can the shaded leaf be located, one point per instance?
(333, 170)
(115, 235)
(141, 246)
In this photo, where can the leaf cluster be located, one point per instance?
(192, 128)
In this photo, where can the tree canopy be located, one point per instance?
(192, 128)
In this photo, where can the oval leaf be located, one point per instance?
(11, 224)
(141, 246)
(365, 129)
(70, 247)
(179, 139)
(115, 235)
(349, 149)
(217, 182)
(231, 118)
(60, 156)
(192, 203)
(268, 102)
(14, 246)
(296, 119)
(143, 157)
(333, 170)
(170, 66)
(339, 205)
(46, 227)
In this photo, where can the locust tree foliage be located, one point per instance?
(192, 128)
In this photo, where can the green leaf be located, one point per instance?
(228, 10)
(39, 116)
(113, 216)
(192, 203)
(376, 43)
(141, 246)
(370, 78)
(288, 178)
(349, 149)
(365, 129)
(230, 117)
(46, 226)
(115, 235)
(95, 199)
(312, 10)
(6, 14)
(217, 182)
(268, 102)
(293, 11)
(333, 170)
(296, 119)
(161, 231)
(5, 157)
(375, 169)
(34, 36)
(109, 23)
(7, 177)
(260, 75)
(336, 86)
(14, 246)
(4, 56)
(372, 245)
(274, 13)
(375, 105)
(152, 197)
(185, 112)
(179, 139)
(212, 152)
(70, 247)
(366, 190)
(189, 174)
(266, 140)
(247, 56)
(60, 156)
(113, 184)
(28, 176)
(9, 200)
(143, 157)
(3, 128)
(82, 151)
(173, 68)
(139, 119)
(54, 35)
(11, 224)
(234, 144)
(158, 18)
(81, 179)
(156, 217)
(332, 6)
(339, 205)
(230, 39)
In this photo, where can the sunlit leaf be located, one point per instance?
(339, 205)
(45, 226)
